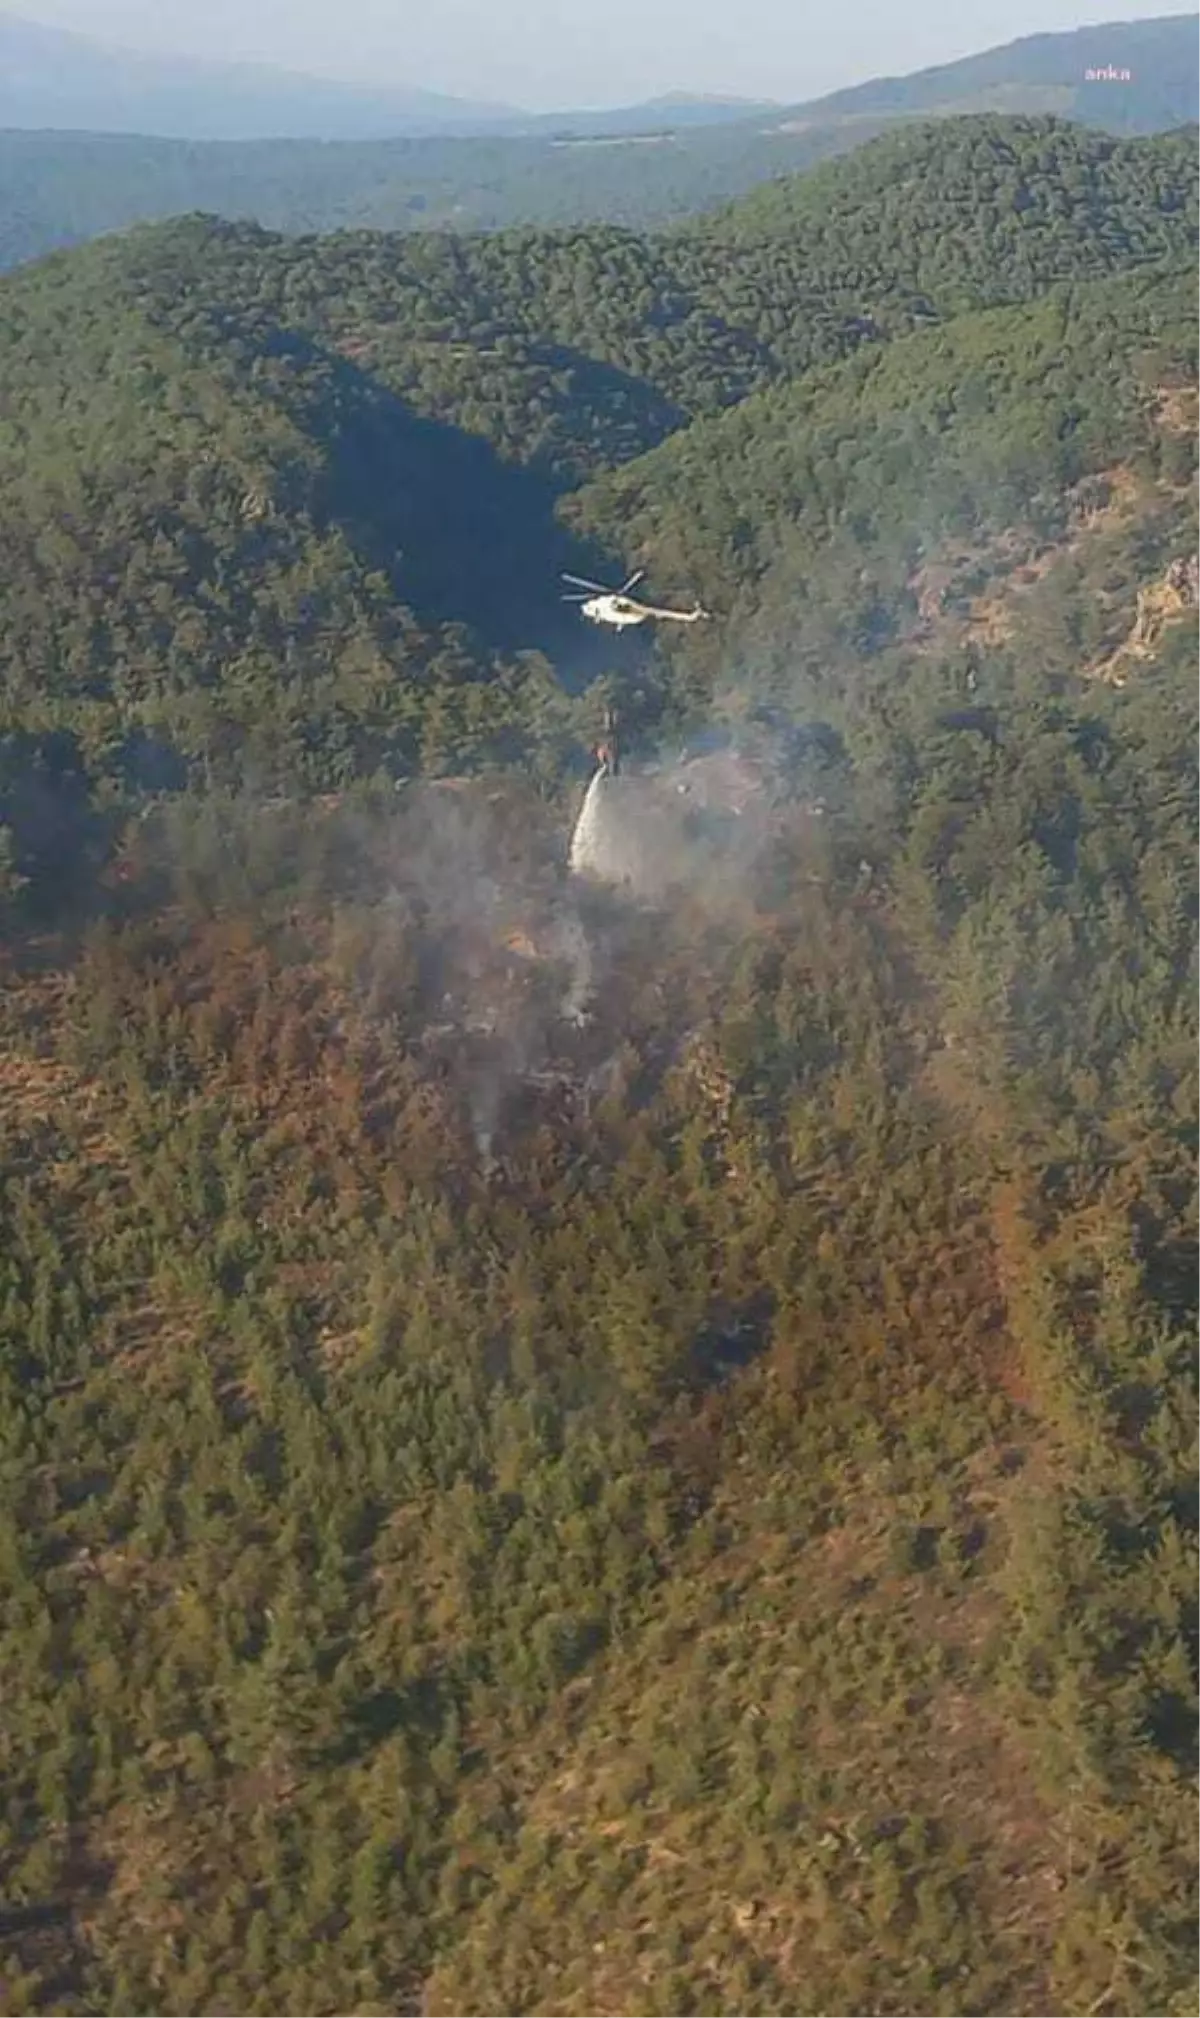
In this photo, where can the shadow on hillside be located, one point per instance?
(463, 536)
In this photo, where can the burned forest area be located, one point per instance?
(598, 1350)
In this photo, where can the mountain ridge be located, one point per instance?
(45, 72)
(1071, 61)
(56, 77)
(51, 77)
(59, 187)
(360, 377)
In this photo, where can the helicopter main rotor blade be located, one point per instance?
(580, 581)
(632, 582)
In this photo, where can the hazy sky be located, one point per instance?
(557, 54)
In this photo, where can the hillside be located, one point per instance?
(933, 220)
(220, 441)
(59, 188)
(1033, 196)
(638, 168)
(293, 507)
(817, 515)
(1071, 74)
(566, 1451)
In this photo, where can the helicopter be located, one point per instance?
(619, 607)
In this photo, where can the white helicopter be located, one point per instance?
(618, 607)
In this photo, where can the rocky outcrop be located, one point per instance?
(1158, 604)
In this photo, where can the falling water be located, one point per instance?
(625, 835)
(587, 851)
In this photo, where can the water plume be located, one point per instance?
(690, 822)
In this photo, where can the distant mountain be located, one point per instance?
(459, 167)
(1129, 76)
(1134, 76)
(50, 78)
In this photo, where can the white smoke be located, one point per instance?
(567, 942)
(512, 963)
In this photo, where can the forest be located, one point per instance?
(61, 188)
(564, 1450)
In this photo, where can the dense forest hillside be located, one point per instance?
(60, 188)
(818, 515)
(249, 477)
(568, 1452)
(993, 200)
(913, 227)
